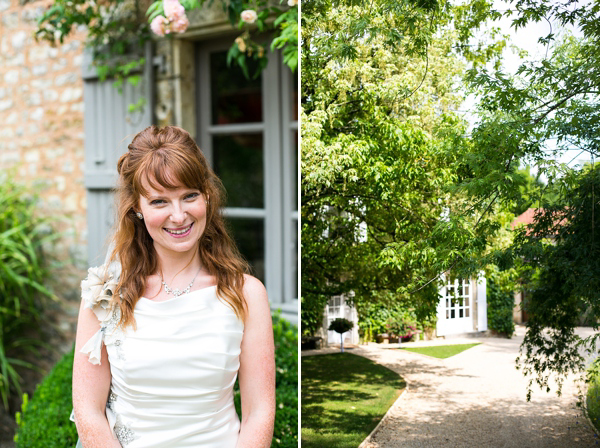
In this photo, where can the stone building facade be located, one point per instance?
(41, 126)
(43, 143)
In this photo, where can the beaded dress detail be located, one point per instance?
(172, 376)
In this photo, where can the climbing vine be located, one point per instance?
(118, 29)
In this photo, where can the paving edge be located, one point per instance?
(393, 406)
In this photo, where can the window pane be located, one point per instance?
(234, 99)
(238, 161)
(249, 235)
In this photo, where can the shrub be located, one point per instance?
(501, 300)
(401, 327)
(44, 420)
(22, 276)
(592, 402)
(379, 318)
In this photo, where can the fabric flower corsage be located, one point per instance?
(97, 292)
(98, 288)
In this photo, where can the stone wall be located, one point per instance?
(41, 127)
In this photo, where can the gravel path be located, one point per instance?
(475, 399)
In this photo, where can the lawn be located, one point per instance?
(441, 351)
(344, 396)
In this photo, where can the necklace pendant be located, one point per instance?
(177, 292)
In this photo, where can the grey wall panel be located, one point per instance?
(109, 127)
(100, 217)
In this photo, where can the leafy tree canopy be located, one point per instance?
(548, 106)
(380, 146)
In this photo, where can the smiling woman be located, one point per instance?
(160, 371)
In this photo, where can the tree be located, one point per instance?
(563, 256)
(548, 106)
(380, 145)
(341, 325)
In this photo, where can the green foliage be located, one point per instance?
(548, 106)
(380, 145)
(312, 313)
(402, 328)
(44, 420)
(563, 279)
(382, 317)
(340, 325)
(23, 272)
(592, 401)
(247, 46)
(501, 287)
(286, 394)
(116, 33)
(344, 396)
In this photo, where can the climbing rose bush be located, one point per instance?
(174, 19)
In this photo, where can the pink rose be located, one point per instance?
(249, 16)
(292, 2)
(158, 25)
(173, 10)
(180, 25)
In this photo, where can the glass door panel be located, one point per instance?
(234, 99)
(238, 161)
(249, 235)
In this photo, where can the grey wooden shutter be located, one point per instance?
(109, 128)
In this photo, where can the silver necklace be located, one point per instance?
(176, 292)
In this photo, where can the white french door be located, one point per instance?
(455, 309)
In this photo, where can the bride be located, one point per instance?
(171, 320)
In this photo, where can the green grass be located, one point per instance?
(593, 401)
(344, 397)
(441, 351)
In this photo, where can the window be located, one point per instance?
(458, 304)
(248, 130)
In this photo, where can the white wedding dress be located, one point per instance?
(173, 375)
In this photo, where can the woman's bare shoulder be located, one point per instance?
(254, 291)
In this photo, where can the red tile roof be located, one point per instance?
(524, 218)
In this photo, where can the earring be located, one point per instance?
(139, 215)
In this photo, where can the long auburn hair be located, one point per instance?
(170, 158)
